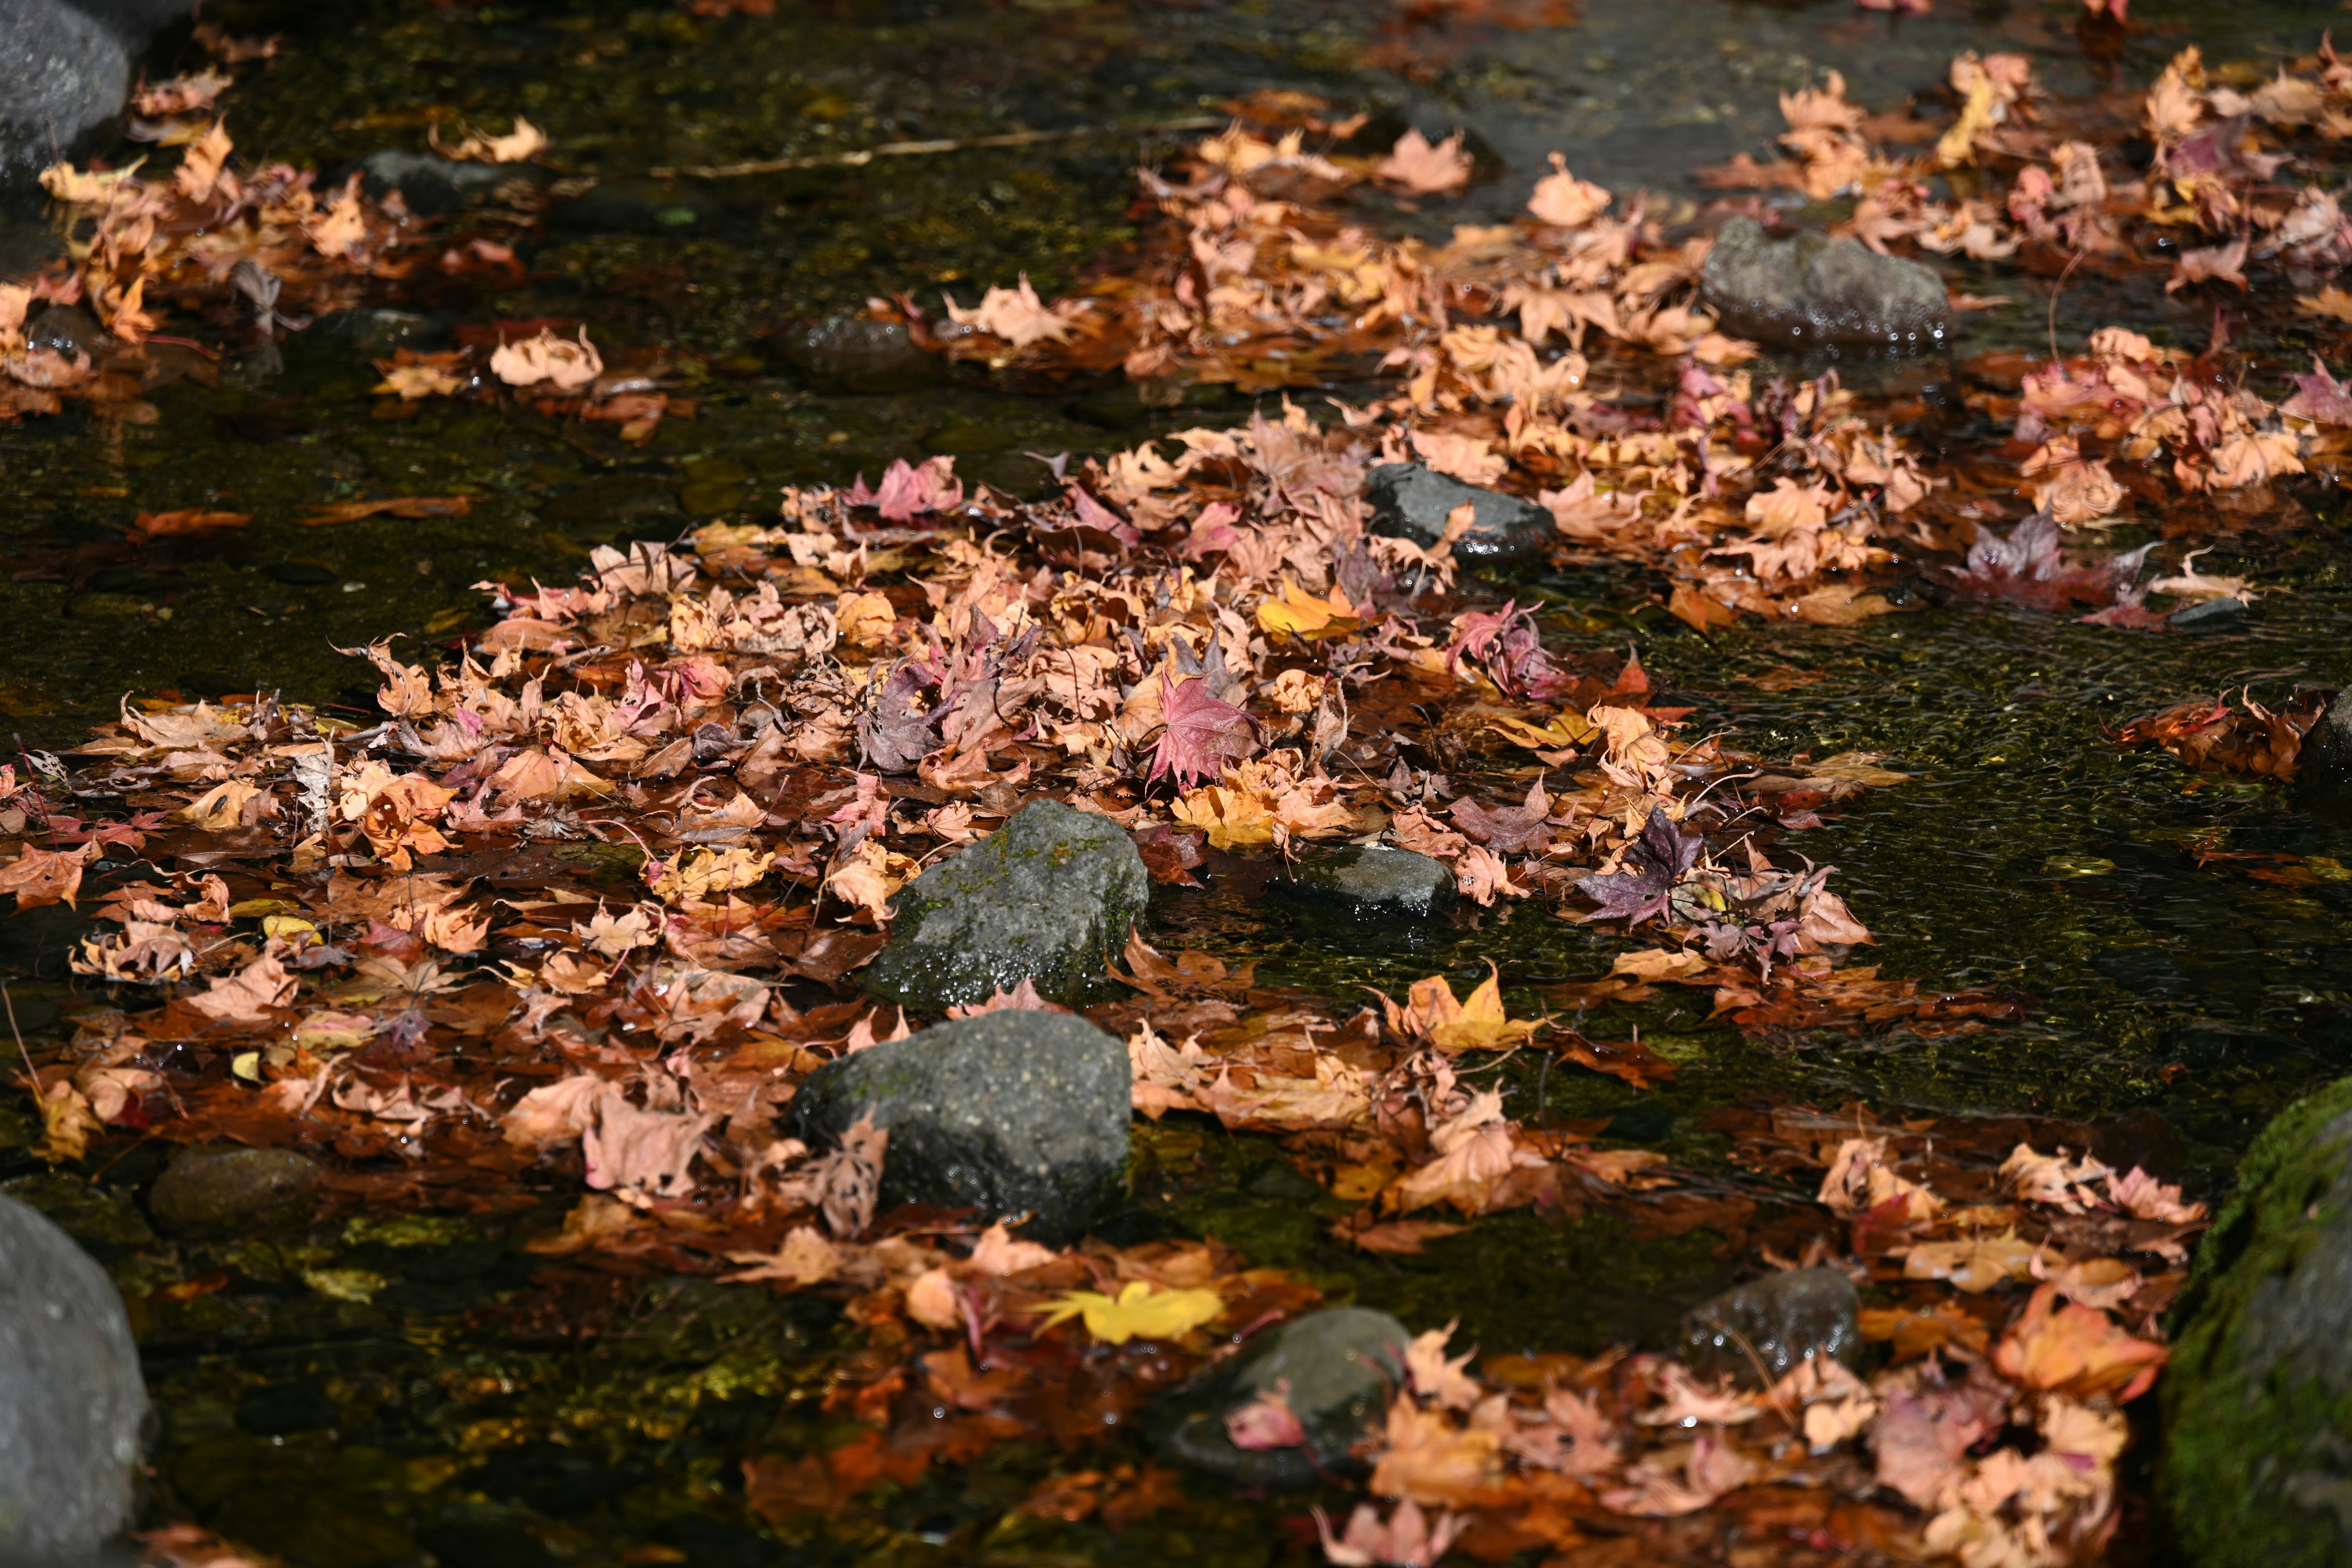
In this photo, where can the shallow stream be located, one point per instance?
(483, 1409)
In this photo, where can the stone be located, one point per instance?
(1047, 898)
(2323, 767)
(209, 1194)
(1412, 500)
(1806, 290)
(855, 354)
(2256, 1464)
(71, 1398)
(1375, 881)
(1336, 1369)
(62, 71)
(429, 184)
(1778, 1321)
(1010, 1112)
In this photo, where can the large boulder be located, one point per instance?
(1372, 881)
(1412, 500)
(1010, 1112)
(71, 1398)
(1773, 1323)
(2257, 1462)
(1334, 1369)
(2323, 768)
(1806, 290)
(1047, 898)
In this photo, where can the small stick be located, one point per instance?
(859, 159)
(34, 1072)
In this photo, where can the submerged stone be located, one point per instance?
(1776, 1322)
(72, 1397)
(61, 72)
(1047, 898)
(2256, 1469)
(1336, 1369)
(855, 354)
(1807, 290)
(1011, 1113)
(1412, 500)
(223, 1192)
(1373, 880)
(2323, 767)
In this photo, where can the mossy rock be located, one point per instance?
(2257, 1465)
(1047, 898)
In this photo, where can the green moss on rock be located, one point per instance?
(2257, 1466)
(1047, 898)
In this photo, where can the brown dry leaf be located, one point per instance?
(1426, 169)
(2077, 1350)
(248, 997)
(150, 525)
(332, 512)
(1478, 1023)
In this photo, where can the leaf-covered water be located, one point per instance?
(368, 1393)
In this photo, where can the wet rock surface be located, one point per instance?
(1011, 1112)
(1371, 880)
(1336, 1369)
(1805, 289)
(2324, 765)
(1775, 1323)
(853, 354)
(1412, 500)
(223, 1192)
(2257, 1462)
(61, 72)
(72, 1397)
(1047, 898)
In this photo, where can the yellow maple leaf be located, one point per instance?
(1233, 818)
(1476, 1024)
(1139, 1313)
(1301, 614)
(699, 873)
(1566, 730)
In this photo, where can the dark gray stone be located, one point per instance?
(1412, 500)
(61, 72)
(1776, 1322)
(71, 1398)
(1806, 290)
(431, 185)
(2256, 1467)
(1336, 1368)
(1013, 1113)
(2323, 767)
(1372, 880)
(1047, 898)
(235, 1192)
(2209, 614)
(855, 354)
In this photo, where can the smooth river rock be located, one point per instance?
(2256, 1469)
(1779, 1320)
(1807, 290)
(71, 1398)
(1375, 881)
(1336, 1369)
(2323, 768)
(1013, 1113)
(1412, 500)
(1047, 898)
(233, 1193)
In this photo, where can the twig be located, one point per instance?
(863, 156)
(31, 1072)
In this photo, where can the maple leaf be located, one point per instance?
(892, 735)
(998, 1253)
(2215, 263)
(1426, 1458)
(2027, 567)
(1653, 865)
(1201, 735)
(1513, 830)
(1974, 1264)
(1265, 1422)
(523, 141)
(1298, 612)
(564, 363)
(1925, 1424)
(250, 995)
(150, 525)
(1564, 201)
(1406, 1539)
(1424, 168)
(2075, 1350)
(1018, 316)
(46, 876)
(910, 490)
(1479, 1023)
(806, 1258)
(1138, 1312)
(699, 873)
(2319, 398)
(1435, 1375)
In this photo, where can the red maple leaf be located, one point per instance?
(1202, 733)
